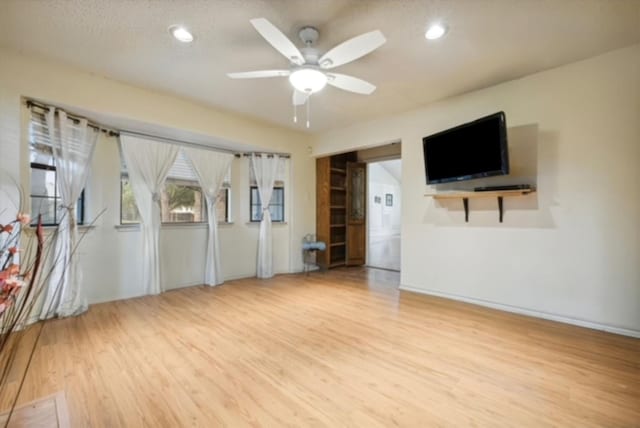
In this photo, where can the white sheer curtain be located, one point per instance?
(148, 163)
(211, 168)
(265, 169)
(72, 147)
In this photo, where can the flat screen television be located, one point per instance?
(472, 150)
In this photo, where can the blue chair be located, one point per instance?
(309, 247)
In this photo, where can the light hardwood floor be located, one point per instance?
(344, 348)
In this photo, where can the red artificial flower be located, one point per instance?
(12, 285)
(8, 228)
(13, 269)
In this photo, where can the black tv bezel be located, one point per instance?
(504, 151)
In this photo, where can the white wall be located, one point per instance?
(384, 221)
(569, 252)
(110, 256)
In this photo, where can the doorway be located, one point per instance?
(384, 201)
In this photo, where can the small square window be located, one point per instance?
(45, 199)
(276, 207)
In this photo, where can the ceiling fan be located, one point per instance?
(308, 69)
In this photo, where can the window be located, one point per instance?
(181, 201)
(44, 194)
(128, 209)
(276, 207)
(222, 205)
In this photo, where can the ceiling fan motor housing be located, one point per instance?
(311, 55)
(308, 35)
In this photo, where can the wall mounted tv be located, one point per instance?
(472, 150)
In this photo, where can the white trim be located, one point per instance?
(528, 312)
(238, 276)
(273, 223)
(186, 224)
(184, 285)
(135, 227)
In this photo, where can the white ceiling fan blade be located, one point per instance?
(278, 40)
(259, 74)
(352, 49)
(350, 83)
(299, 98)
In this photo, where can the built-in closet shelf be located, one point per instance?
(332, 201)
(465, 196)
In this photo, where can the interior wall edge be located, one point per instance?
(523, 311)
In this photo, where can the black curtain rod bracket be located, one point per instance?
(75, 119)
(269, 155)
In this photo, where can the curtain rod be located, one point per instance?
(76, 119)
(116, 133)
(177, 142)
(270, 155)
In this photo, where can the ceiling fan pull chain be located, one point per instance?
(295, 113)
(308, 110)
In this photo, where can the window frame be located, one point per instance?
(227, 220)
(227, 210)
(80, 204)
(124, 176)
(203, 202)
(252, 204)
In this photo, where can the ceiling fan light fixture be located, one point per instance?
(308, 80)
(435, 31)
(181, 34)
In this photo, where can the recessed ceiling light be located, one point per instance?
(181, 33)
(436, 31)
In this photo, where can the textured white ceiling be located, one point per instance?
(490, 41)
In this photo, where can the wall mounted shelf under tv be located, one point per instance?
(466, 195)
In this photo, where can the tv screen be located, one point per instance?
(472, 150)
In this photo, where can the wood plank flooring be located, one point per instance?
(343, 348)
(48, 412)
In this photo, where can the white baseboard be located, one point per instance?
(523, 311)
(240, 276)
(177, 287)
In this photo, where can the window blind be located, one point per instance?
(281, 174)
(41, 147)
(182, 170)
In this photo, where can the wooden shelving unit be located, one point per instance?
(465, 196)
(331, 208)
